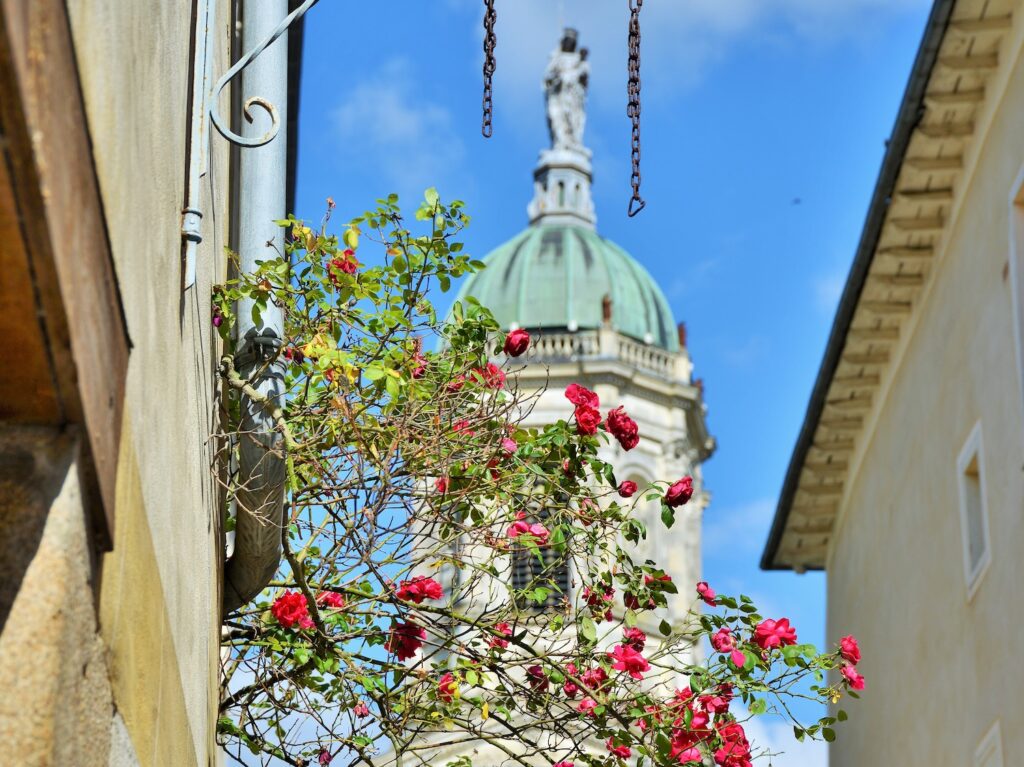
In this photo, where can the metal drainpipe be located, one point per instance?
(262, 179)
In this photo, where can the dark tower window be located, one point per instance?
(544, 568)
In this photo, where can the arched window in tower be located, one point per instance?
(561, 194)
(576, 196)
(543, 568)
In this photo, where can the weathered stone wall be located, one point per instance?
(56, 705)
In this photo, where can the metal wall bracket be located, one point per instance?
(206, 110)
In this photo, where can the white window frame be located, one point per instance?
(1016, 275)
(973, 449)
(991, 746)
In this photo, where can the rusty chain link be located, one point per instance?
(490, 42)
(633, 105)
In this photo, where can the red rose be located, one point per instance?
(771, 633)
(491, 376)
(405, 640)
(419, 588)
(447, 687)
(587, 706)
(516, 343)
(361, 710)
(627, 488)
(623, 428)
(441, 485)
(579, 395)
(849, 649)
(635, 638)
(622, 752)
(537, 679)
(587, 419)
(629, 660)
(291, 609)
(679, 492)
(594, 678)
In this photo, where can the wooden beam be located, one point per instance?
(841, 423)
(946, 130)
(857, 402)
(827, 468)
(987, 24)
(873, 334)
(886, 307)
(971, 96)
(919, 223)
(977, 62)
(907, 251)
(952, 162)
(47, 134)
(926, 195)
(897, 280)
(871, 358)
(821, 490)
(862, 381)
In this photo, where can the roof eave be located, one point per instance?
(909, 115)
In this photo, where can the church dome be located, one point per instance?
(555, 277)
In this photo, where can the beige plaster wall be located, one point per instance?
(160, 599)
(941, 669)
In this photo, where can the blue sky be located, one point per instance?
(764, 124)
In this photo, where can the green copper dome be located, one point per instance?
(554, 276)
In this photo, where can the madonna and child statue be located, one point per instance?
(565, 89)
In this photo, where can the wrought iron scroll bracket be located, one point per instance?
(205, 107)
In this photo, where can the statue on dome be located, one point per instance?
(565, 88)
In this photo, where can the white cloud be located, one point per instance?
(827, 290)
(739, 530)
(776, 737)
(680, 37)
(410, 141)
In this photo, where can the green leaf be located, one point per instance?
(798, 733)
(841, 715)
(829, 734)
(431, 197)
(668, 516)
(588, 629)
(664, 628)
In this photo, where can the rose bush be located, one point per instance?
(394, 628)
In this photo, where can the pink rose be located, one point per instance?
(587, 706)
(852, 677)
(330, 599)
(361, 710)
(738, 658)
(849, 649)
(509, 445)
(536, 677)
(629, 660)
(771, 633)
(723, 640)
(623, 428)
(705, 592)
(579, 395)
(324, 758)
(564, 764)
(419, 366)
(441, 485)
(627, 488)
(419, 588)
(497, 642)
(587, 419)
(463, 427)
(679, 492)
(516, 343)
(594, 678)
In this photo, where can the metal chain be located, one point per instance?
(490, 42)
(633, 105)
